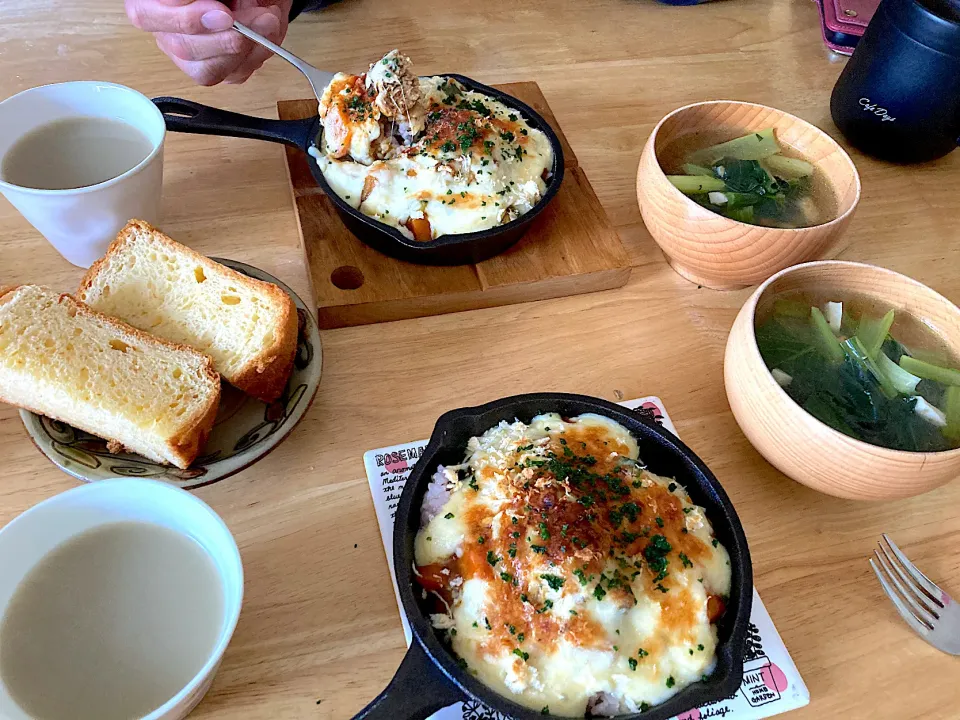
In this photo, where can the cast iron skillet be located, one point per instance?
(190, 117)
(429, 679)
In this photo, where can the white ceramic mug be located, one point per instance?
(28, 538)
(80, 223)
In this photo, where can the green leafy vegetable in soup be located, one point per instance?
(875, 376)
(749, 180)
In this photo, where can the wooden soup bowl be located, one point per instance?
(714, 251)
(794, 441)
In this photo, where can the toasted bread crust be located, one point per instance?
(185, 445)
(265, 377)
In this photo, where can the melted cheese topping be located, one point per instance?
(563, 569)
(453, 162)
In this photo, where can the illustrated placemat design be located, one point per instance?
(771, 682)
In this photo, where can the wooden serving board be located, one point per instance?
(571, 249)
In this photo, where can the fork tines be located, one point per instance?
(919, 601)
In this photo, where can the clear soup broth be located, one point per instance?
(878, 375)
(816, 205)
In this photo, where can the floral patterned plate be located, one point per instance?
(245, 430)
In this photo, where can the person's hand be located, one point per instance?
(197, 34)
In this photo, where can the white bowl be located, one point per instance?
(26, 540)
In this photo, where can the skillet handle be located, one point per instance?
(418, 690)
(189, 117)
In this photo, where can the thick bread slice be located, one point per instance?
(247, 326)
(61, 359)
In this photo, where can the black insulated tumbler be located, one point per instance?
(898, 98)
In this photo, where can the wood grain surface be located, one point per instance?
(572, 248)
(320, 633)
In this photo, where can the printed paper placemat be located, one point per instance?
(771, 683)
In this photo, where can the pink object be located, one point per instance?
(775, 678)
(848, 16)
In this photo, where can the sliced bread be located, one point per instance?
(247, 326)
(61, 359)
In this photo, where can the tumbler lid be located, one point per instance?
(934, 23)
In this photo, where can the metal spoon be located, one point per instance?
(318, 78)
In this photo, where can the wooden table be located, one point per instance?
(320, 632)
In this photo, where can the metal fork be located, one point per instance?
(926, 608)
(319, 79)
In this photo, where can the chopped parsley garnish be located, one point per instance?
(512, 551)
(512, 629)
(521, 654)
(671, 487)
(581, 576)
(642, 653)
(475, 624)
(448, 146)
(685, 560)
(633, 663)
(506, 577)
(509, 137)
(486, 621)
(671, 682)
(545, 710)
(554, 581)
(492, 558)
(524, 598)
(481, 540)
(521, 637)
(448, 516)
(544, 532)
(547, 604)
(659, 521)
(714, 542)
(540, 549)
(598, 592)
(656, 556)
(700, 647)
(662, 589)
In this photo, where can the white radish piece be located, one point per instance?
(717, 198)
(930, 413)
(782, 378)
(833, 312)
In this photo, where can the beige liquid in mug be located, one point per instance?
(74, 153)
(111, 624)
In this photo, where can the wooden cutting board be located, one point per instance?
(570, 249)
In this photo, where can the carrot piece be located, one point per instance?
(715, 607)
(420, 227)
(369, 183)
